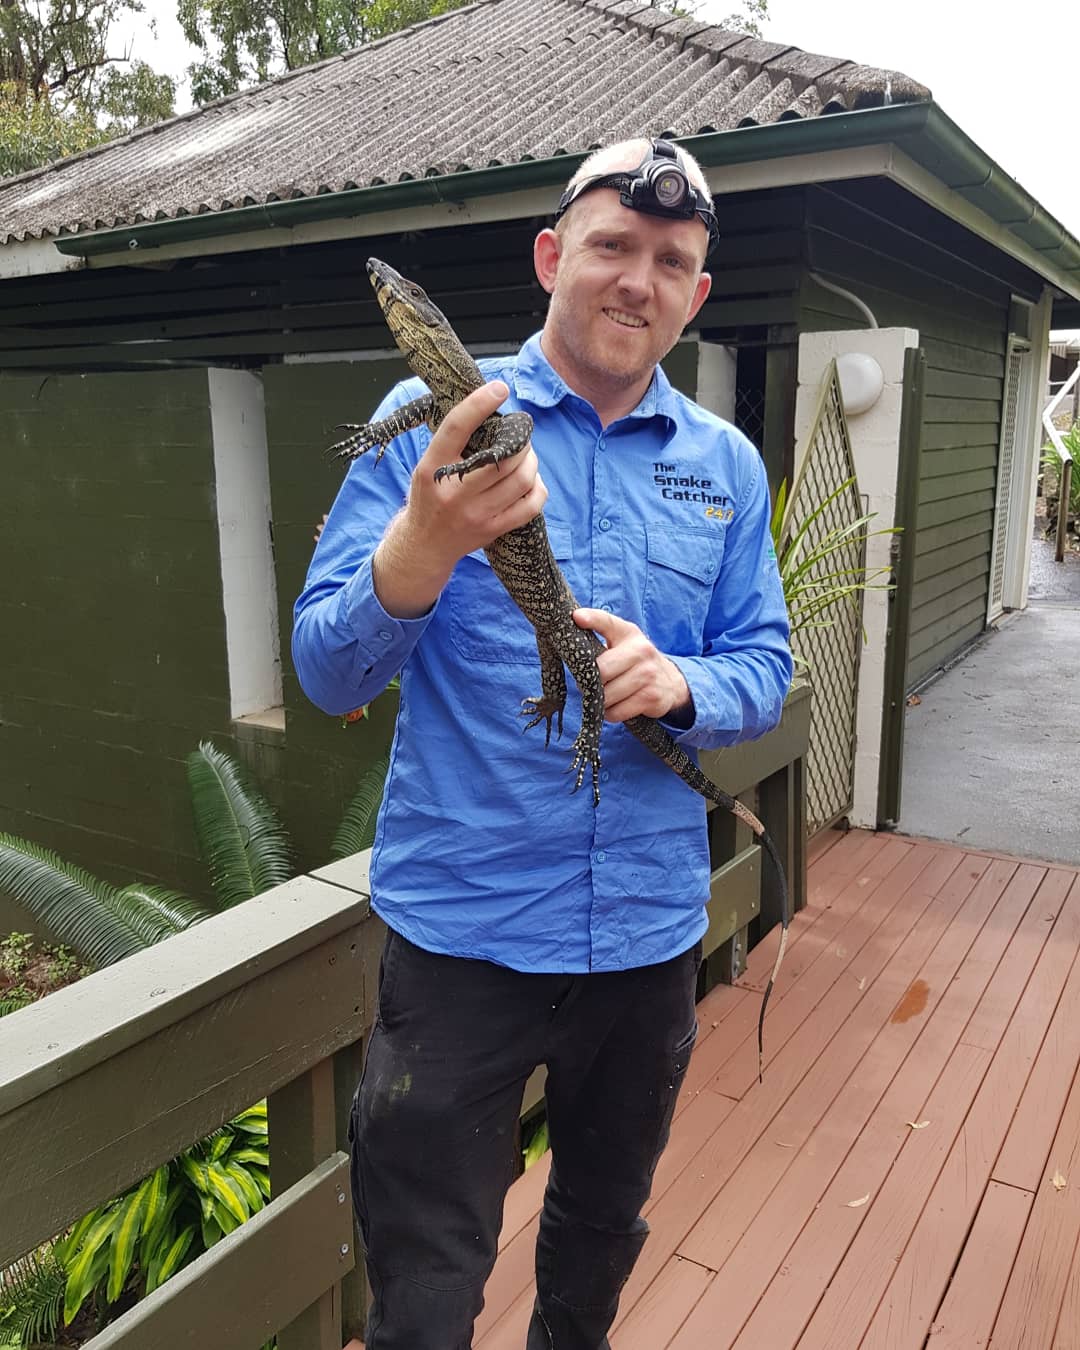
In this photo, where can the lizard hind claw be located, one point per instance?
(542, 710)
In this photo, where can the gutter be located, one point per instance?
(922, 130)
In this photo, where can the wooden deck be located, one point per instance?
(908, 1174)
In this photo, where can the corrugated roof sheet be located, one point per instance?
(498, 83)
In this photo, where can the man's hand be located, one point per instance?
(638, 679)
(443, 521)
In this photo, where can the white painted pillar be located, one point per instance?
(716, 379)
(249, 589)
(875, 440)
(1018, 560)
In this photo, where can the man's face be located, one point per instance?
(623, 286)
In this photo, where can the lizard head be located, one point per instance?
(414, 320)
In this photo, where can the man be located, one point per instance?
(525, 926)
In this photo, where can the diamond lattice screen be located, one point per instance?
(828, 640)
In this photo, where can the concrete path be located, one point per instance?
(992, 748)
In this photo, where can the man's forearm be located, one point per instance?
(407, 580)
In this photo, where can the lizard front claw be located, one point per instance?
(364, 438)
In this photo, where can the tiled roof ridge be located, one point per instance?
(802, 68)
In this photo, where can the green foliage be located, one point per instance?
(137, 1241)
(241, 839)
(31, 1299)
(748, 19)
(61, 89)
(35, 131)
(101, 923)
(812, 583)
(136, 97)
(51, 45)
(250, 41)
(1051, 459)
(538, 1144)
(128, 1247)
(357, 829)
(29, 970)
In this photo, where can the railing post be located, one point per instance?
(348, 1064)
(302, 1119)
(1065, 493)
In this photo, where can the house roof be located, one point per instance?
(502, 82)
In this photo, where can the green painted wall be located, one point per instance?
(110, 600)
(115, 662)
(916, 270)
(316, 765)
(114, 635)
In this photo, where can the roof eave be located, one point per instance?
(921, 130)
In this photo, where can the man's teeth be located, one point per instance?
(631, 320)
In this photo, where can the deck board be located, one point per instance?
(923, 983)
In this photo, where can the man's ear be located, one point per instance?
(547, 249)
(701, 294)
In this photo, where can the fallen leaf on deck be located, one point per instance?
(854, 1204)
(841, 951)
(913, 701)
(862, 983)
(1059, 1182)
(780, 1144)
(918, 1124)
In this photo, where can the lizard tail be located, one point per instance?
(770, 849)
(655, 738)
(688, 771)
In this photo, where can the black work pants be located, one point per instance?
(433, 1137)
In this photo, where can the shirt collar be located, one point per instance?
(537, 382)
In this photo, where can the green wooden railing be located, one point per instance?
(110, 1077)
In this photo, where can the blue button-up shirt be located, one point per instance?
(481, 850)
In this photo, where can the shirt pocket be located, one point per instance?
(485, 624)
(680, 571)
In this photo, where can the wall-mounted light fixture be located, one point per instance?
(861, 382)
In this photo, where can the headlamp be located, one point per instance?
(658, 186)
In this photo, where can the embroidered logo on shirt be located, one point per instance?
(676, 487)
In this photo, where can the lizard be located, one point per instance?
(523, 561)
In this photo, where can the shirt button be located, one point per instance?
(606, 609)
(385, 634)
(601, 444)
(605, 776)
(601, 856)
(605, 524)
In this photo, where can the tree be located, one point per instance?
(63, 87)
(36, 131)
(250, 41)
(747, 20)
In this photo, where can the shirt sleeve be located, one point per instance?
(345, 647)
(739, 682)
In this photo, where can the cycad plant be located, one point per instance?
(127, 1247)
(240, 839)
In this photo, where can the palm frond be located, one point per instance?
(357, 828)
(32, 1298)
(240, 837)
(80, 910)
(157, 913)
